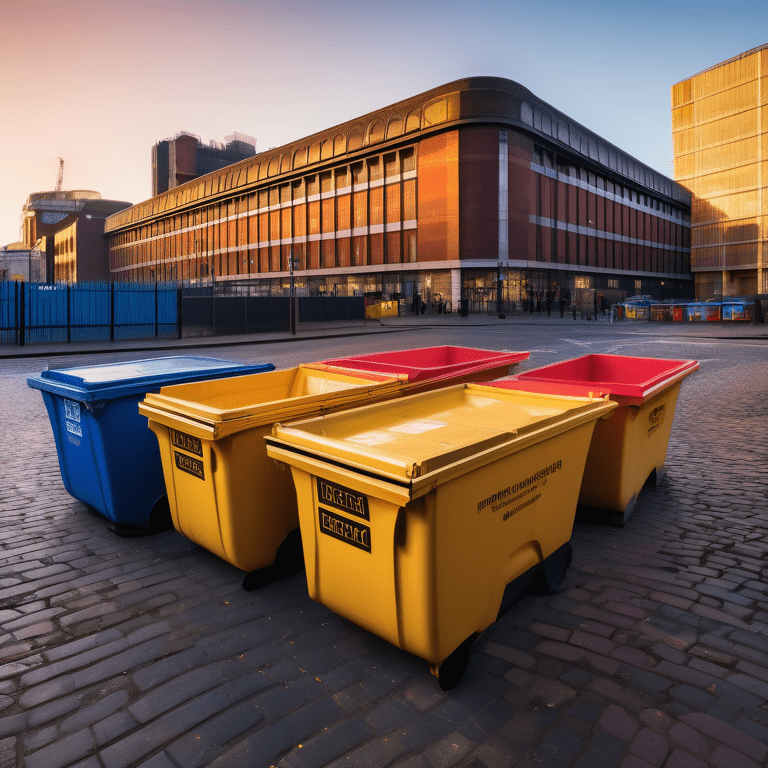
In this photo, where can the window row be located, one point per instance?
(741, 205)
(550, 161)
(557, 246)
(714, 186)
(568, 204)
(719, 132)
(389, 248)
(727, 232)
(372, 168)
(393, 204)
(399, 203)
(742, 255)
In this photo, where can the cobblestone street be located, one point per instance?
(118, 652)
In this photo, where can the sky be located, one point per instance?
(99, 82)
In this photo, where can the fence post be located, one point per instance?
(111, 311)
(178, 313)
(20, 306)
(213, 304)
(155, 309)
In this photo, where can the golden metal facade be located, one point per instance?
(720, 139)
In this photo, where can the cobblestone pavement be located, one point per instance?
(120, 652)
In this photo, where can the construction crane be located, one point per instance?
(60, 178)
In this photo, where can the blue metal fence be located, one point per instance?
(33, 313)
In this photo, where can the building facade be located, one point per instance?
(19, 264)
(475, 190)
(184, 157)
(720, 136)
(67, 227)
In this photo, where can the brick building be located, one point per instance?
(457, 192)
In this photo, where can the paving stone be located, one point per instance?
(113, 726)
(79, 646)
(329, 744)
(164, 669)
(617, 722)
(32, 617)
(757, 731)
(759, 672)
(693, 697)
(632, 761)
(47, 691)
(202, 744)
(89, 715)
(63, 752)
(650, 747)
(143, 741)
(605, 751)
(584, 710)
(643, 679)
(657, 720)
(34, 740)
(725, 757)
(14, 668)
(375, 754)
(684, 674)
(389, 715)
(8, 753)
(614, 692)
(592, 642)
(53, 709)
(633, 656)
(439, 724)
(550, 632)
(159, 761)
(448, 751)
(175, 692)
(72, 662)
(713, 670)
(680, 759)
(422, 693)
(511, 655)
(689, 739)
(757, 687)
(122, 662)
(280, 699)
(727, 734)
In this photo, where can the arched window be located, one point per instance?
(355, 139)
(413, 121)
(394, 126)
(300, 157)
(375, 132)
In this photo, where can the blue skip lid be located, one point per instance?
(105, 382)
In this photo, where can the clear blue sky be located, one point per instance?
(98, 82)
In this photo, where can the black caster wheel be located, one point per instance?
(552, 571)
(289, 560)
(452, 669)
(160, 517)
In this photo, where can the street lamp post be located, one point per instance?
(293, 295)
(499, 289)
